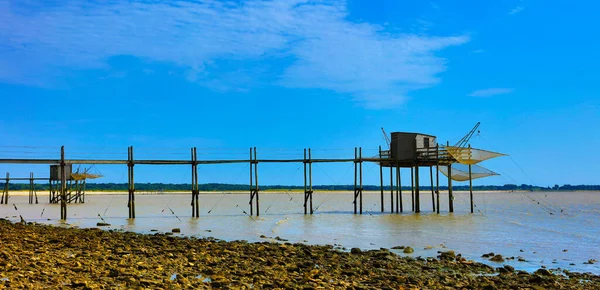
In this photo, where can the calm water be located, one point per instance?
(504, 223)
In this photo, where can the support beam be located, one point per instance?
(4, 199)
(397, 188)
(400, 188)
(308, 201)
(63, 185)
(197, 201)
(381, 179)
(450, 196)
(437, 177)
(391, 190)
(432, 189)
(254, 184)
(131, 183)
(195, 191)
(412, 187)
(417, 190)
(361, 178)
(358, 180)
(471, 188)
(30, 187)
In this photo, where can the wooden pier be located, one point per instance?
(60, 192)
(406, 151)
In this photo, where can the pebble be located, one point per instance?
(497, 258)
(96, 259)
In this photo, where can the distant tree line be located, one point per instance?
(158, 187)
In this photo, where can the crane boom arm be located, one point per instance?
(465, 140)
(387, 139)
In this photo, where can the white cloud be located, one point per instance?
(491, 92)
(313, 43)
(516, 10)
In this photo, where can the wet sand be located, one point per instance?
(42, 256)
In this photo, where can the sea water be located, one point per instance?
(551, 229)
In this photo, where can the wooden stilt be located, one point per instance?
(391, 190)
(412, 187)
(432, 189)
(131, 181)
(251, 184)
(471, 188)
(197, 201)
(361, 179)
(4, 199)
(417, 190)
(30, 188)
(381, 178)
(306, 187)
(450, 196)
(195, 191)
(254, 189)
(358, 180)
(437, 177)
(193, 204)
(63, 184)
(400, 188)
(310, 187)
(355, 179)
(470, 181)
(256, 182)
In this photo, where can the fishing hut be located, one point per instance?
(74, 183)
(416, 150)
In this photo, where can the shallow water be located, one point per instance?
(512, 224)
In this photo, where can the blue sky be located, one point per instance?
(99, 76)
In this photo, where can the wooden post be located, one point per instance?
(63, 185)
(50, 189)
(4, 199)
(30, 187)
(471, 188)
(450, 196)
(310, 187)
(197, 201)
(256, 182)
(308, 191)
(193, 204)
(470, 181)
(399, 200)
(355, 178)
(381, 177)
(251, 182)
(131, 180)
(398, 189)
(391, 190)
(437, 176)
(432, 189)
(417, 190)
(195, 192)
(361, 178)
(254, 190)
(412, 187)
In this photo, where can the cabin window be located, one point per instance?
(426, 142)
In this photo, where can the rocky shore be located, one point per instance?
(39, 256)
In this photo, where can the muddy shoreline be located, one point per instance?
(43, 256)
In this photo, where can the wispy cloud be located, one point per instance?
(312, 42)
(491, 92)
(516, 10)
